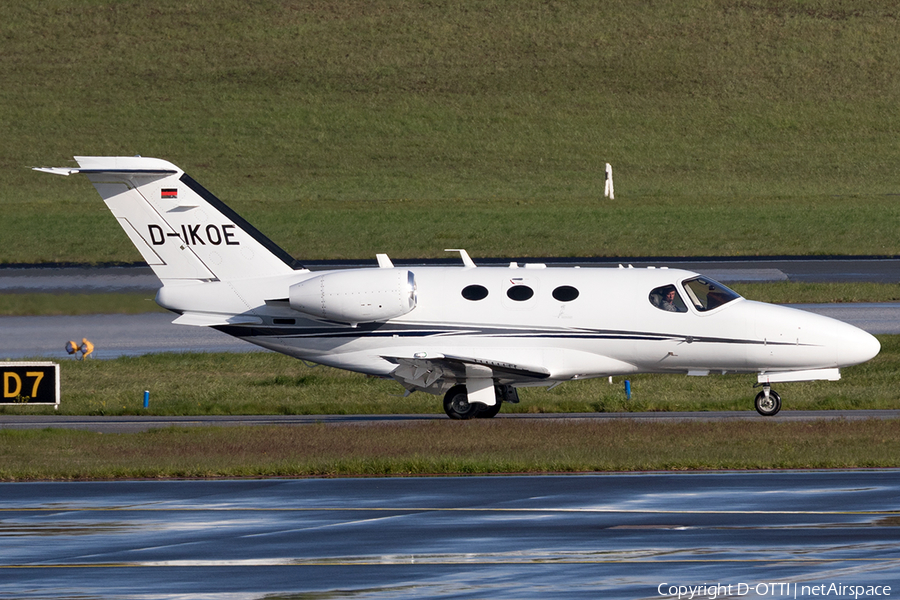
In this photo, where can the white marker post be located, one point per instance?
(608, 189)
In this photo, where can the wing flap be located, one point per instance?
(516, 370)
(438, 372)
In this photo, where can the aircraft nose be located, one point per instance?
(821, 341)
(856, 346)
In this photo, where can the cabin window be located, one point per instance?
(520, 293)
(706, 294)
(474, 292)
(667, 298)
(565, 293)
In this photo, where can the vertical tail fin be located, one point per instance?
(182, 230)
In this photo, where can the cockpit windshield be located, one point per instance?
(706, 294)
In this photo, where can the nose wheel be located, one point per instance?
(767, 402)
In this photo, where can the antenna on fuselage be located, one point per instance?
(467, 261)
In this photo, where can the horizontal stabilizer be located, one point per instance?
(67, 171)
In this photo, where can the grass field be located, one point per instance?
(264, 383)
(734, 127)
(267, 383)
(446, 448)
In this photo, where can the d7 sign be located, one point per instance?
(29, 383)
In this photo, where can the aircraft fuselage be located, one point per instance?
(610, 327)
(472, 333)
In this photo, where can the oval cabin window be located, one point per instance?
(565, 293)
(520, 293)
(474, 292)
(667, 298)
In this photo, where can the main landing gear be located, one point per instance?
(457, 406)
(767, 402)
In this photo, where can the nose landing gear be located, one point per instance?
(767, 402)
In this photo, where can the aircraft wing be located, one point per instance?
(436, 372)
(212, 319)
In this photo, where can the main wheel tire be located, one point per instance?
(456, 404)
(488, 412)
(770, 406)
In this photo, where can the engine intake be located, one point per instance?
(356, 296)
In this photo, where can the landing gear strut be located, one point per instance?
(457, 406)
(767, 402)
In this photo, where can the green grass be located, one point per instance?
(268, 383)
(312, 230)
(734, 127)
(38, 304)
(447, 447)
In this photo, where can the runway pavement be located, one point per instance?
(112, 336)
(649, 535)
(134, 424)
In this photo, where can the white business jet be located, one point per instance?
(473, 334)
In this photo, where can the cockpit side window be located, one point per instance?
(706, 294)
(667, 298)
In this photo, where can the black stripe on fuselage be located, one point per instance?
(381, 330)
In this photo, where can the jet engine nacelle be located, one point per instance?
(356, 296)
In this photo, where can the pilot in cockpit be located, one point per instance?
(666, 298)
(668, 302)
